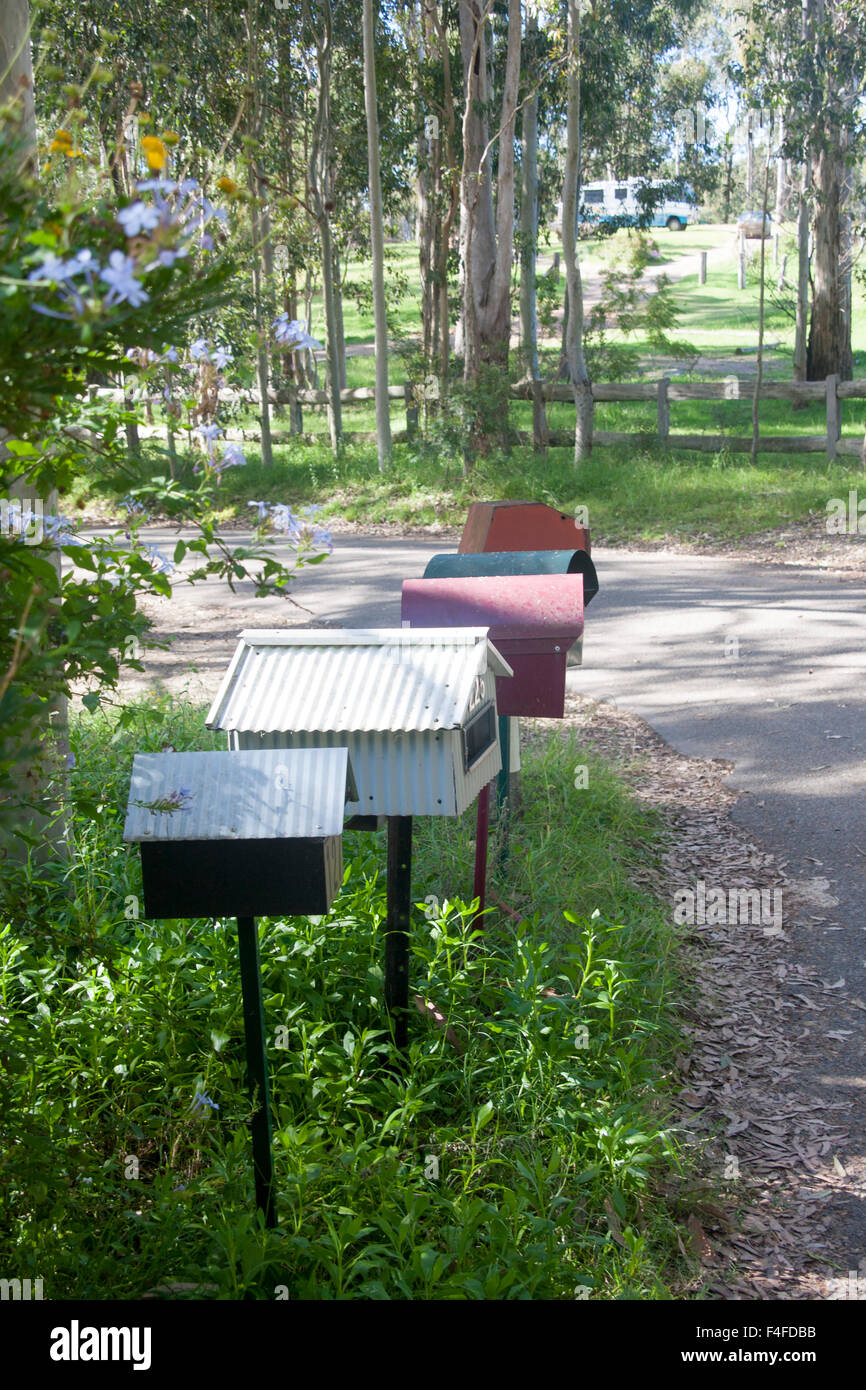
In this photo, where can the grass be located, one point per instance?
(497, 1171)
(638, 493)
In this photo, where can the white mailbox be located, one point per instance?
(416, 708)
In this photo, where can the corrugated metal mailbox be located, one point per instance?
(416, 710)
(239, 834)
(521, 526)
(236, 835)
(532, 619)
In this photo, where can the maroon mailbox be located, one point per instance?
(533, 620)
(520, 526)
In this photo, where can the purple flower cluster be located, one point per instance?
(178, 800)
(291, 333)
(301, 531)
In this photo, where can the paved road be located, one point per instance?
(761, 665)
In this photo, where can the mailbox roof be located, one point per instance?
(352, 680)
(262, 794)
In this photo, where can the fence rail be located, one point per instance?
(664, 392)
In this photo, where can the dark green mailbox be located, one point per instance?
(471, 566)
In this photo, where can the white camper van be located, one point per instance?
(618, 198)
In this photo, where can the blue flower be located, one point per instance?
(119, 275)
(202, 1101)
(199, 350)
(138, 217)
(233, 457)
(292, 333)
(162, 562)
(262, 509)
(53, 268)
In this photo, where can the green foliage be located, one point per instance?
(488, 1172)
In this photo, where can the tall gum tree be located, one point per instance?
(377, 239)
(487, 236)
(578, 374)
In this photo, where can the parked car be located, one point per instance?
(606, 199)
(750, 223)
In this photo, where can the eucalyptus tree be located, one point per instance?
(487, 235)
(806, 58)
(377, 240)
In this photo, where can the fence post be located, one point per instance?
(663, 409)
(741, 263)
(702, 273)
(834, 424)
(411, 411)
(780, 283)
(556, 265)
(296, 416)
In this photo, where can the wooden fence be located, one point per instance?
(664, 393)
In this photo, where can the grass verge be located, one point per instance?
(524, 1156)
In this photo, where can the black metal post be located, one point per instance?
(257, 1067)
(503, 788)
(397, 928)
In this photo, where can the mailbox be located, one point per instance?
(520, 526)
(533, 620)
(482, 564)
(239, 834)
(415, 709)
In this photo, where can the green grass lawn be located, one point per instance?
(634, 493)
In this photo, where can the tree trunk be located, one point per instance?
(339, 329)
(529, 220)
(377, 238)
(16, 72)
(578, 374)
(38, 813)
(486, 240)
(443, 247)
(829, 349)
(262, 252)
(756, 398)
(318, 177)
(802, 315)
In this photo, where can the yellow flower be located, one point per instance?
(169, 137)
(143, 118)
(154, 149)
(227, 185)
(62, 144)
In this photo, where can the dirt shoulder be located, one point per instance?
(766, 1141)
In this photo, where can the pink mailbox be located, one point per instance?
(533, 619)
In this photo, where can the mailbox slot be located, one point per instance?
(479, 735)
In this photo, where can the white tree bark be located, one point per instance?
(377, 238)
(487, 239)
(577, 371)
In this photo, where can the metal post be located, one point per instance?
(702, 273)
(397, 927)
(257, 1067)
(502, 786)
(482, 831)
